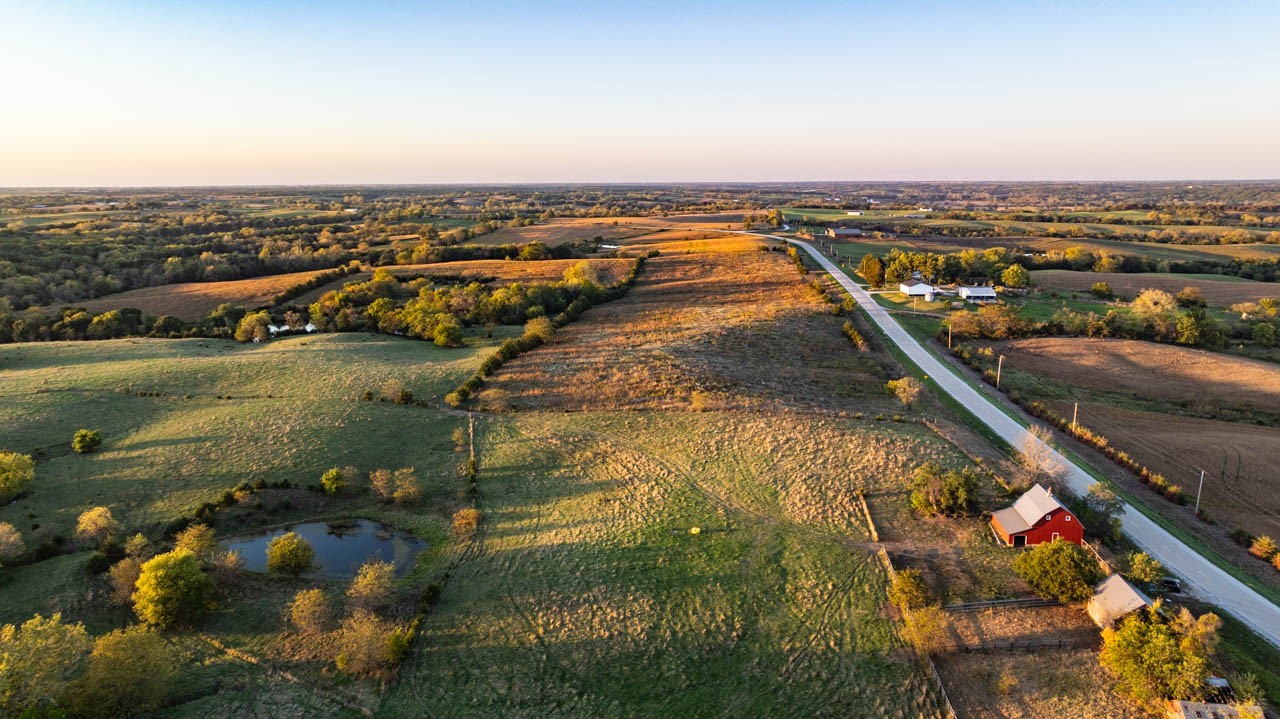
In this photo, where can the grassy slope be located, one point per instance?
(587, 595)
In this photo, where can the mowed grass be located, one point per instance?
(588, 595)
(293, 411)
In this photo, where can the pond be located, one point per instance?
(341, 547)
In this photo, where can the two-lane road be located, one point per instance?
(1205, 578)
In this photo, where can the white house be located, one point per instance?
(978, 294)
(916, 288)
(854, 213)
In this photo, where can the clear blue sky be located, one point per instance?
(128, 93)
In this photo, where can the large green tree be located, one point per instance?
(1157, 658)
(172, 589)
(872, 270)
(16, 471)
(129, 672)
(36, 662)
(1058, 570)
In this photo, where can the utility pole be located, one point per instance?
(999, 368)
(948, 334)
(1198, 491)
(1075, 414)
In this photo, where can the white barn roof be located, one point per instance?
(1030, 508)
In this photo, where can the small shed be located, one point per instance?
(915, 288)
(1036, 517)
(1209, 710)
(978, 294)
(1114, 599)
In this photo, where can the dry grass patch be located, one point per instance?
(1219, 293)
(1149, 370)
(192, 301)
(737, 326)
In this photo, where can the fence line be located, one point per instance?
(1018, 645)
(871, 523)
(1104, 564)
(933, 669)
(1000, 604)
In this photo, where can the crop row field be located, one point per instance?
(1217, 291)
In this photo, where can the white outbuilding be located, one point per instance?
(978, 294)
(916, 288)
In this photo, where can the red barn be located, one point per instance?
(1035, 518)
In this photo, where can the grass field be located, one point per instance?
(1217, 290)
(1158, 251)
(193, 301)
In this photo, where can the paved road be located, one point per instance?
(1204, 578)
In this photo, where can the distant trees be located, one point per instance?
(1058, 570)
(172, 588)
(907, 389)
(872, 270)
(85, 441)
(1158, 312)
(290, 554)
(254, 328)
(16, 472)
(1016, 276)
(1154, 658)
(951, 493)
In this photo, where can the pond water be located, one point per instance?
(341, 547)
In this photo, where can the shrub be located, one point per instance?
(16, 472)
(199, 540)
(1058, 570)
(129, 671)
(951, 493)
(907, 389)
(85, 441)
(310, 611)
(172, 589)
(927, 630)
(123, 577)
(290, 554)
(11, 544)
(96, 525)
(1102, 290)
(465, 523)
(372, 585)
(363, 644)
(1143, 568)
(337, 480)
(1263, 548)
(909, 591)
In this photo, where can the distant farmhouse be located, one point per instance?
(855, 213)
(841, 233)
(1036, 517)
(1114, 599)
(978, 294)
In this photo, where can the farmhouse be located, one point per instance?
(978, 294)
(1114, 599)
(855, 213)
(1036, 517)
(916, 288)
(843, 232)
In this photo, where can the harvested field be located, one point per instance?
(496, 272)
(1180, 375)
(1065, 682)
(1219, 293)
(192, 301)
(1242, 488)
(711, 323)
(557, 232)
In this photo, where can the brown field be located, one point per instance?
(1065, 682)
(608, 270)
(1220, 293)
(192, 301)
(1149, 370)
(710, 324)
(572, 229)
(1241, 489)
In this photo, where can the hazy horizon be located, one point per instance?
(144, 94)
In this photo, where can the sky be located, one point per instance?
(237, 92)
